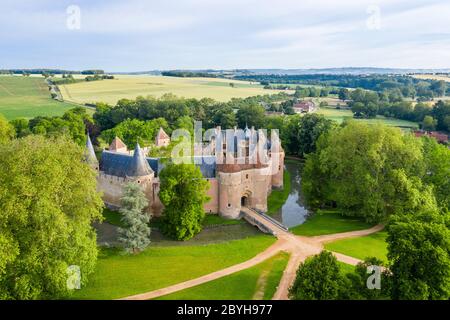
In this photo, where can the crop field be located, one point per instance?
(340, 114)
(432, 77)
(128, 86)
(28, 97)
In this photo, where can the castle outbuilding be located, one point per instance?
(236, 179)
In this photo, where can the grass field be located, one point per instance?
(119, 275)
(432, 77)
(340, 114)
(113, 217)
(259, 282)
(328, 222)
(373, 245)
(127, 86)
(28, 97)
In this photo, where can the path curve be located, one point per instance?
(299, 247)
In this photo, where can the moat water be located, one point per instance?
(293, 212)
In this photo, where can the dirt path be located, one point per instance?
(346, 235)
(299, 247)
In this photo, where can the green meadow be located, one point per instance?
(259, 282)
(329, 222)
(118, 274)
(340, 115)
(28, 97)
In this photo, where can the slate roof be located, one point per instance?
(124, 165)
(117, 164)
(89, 152)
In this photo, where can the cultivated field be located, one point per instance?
(28, 97)
(128, 86)
(432, 77)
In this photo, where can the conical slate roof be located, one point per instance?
(138, 165)
(89, 152)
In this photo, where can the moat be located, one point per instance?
(293, 212)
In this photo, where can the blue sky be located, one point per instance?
(138, 35)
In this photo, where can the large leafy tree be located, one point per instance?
(419, 254)
(356, 282)
(134, 130)
(311, 127)
(7, 131)
(183, 193)
(135, 235)
(252, 115)
(48, 201)
(437, 160)
(318, 278)
(367, 170)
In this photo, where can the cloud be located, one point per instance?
(142, 35)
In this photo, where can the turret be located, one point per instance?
(89, 154)
(139, 166)
(117, 145)
(162, 138)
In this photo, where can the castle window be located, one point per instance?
(246, 176)
(229, 205)
(279, 167)
(139, 181)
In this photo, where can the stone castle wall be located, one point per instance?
(247, 186)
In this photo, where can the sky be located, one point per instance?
(137, 35)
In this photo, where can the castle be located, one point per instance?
(235, 180)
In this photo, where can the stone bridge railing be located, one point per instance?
(262, 221)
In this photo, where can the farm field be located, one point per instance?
(258, 282)
(28, 97)
(340, 114)
(432, 77)
(118, 274)
(130, 87)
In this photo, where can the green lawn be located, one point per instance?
(28, 97)
(340, 114)
(373, 245)
(113, 217)
(216, 220)
(346, 268)
(258, 282)
(118, 275)
(278, 197)
(328, 222)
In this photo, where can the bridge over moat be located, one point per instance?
(263, 222)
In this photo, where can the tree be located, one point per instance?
(183, 193)
(419, 255)
(369, 171)
(251, 115)
(429, 123)
(7, 131)
(135, 236)
(48, 201)
(357, 282)
(134, 130)
(344, 94)
(318, 278)
(437, 161)
(300, 133)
